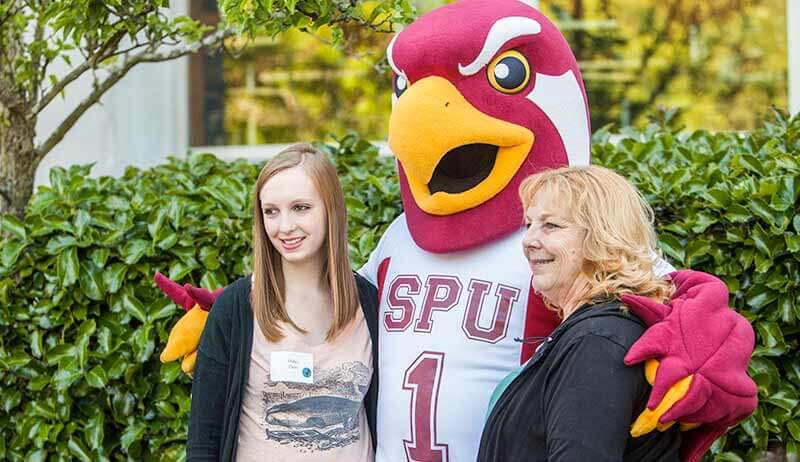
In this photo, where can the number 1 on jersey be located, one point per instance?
(422, 379)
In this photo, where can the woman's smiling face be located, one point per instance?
(294, 215)
(553, 246)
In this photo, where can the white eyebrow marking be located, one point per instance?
(502, 31)
(561, 99)
(391, 61)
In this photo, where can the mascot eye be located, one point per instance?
(400, 85)
(509, 72)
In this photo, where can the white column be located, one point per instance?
(793, 33)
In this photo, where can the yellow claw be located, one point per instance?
(185, 335)
(648, 419)
(188, 362)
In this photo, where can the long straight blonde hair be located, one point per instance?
(620, 246)
(268, 293)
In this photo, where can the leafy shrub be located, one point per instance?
(81, 321)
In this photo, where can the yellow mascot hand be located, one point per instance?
(184, 339)
(648, 419)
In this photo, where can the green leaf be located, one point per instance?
(77, 449)
(792, 242)
(166, 409)
(123, 403)
(762, 210)
(162, 308)
(759, 296)
(133, 433)
(91, 282)
(696, 249)
(59, 352)
(11, 252)
(178, 270)
(99, 256)
(57, 244)
(9, 224)
(209, 257)
(784, 399)
(134, 250)
(11, 399)
(132, 305)
(170, 372)
(737, 214)
(156, 220)
(115, 366)
(213, 280)
(43, 409)
(68, 267)
(36, 343)
(770, 333)
(68, 373)
(82, 220)
(143, 344)
(672, 247)
(117, 203)
(95, 432)
(794, 429)
(96, 377)
(114, 276)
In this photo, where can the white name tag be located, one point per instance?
(288, 366)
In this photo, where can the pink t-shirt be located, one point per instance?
(287, 420)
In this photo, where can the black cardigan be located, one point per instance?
(575, 400)
(223, 363)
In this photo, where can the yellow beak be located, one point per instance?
(455, 156)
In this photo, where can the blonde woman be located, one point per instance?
(590, 240)
(287, 362)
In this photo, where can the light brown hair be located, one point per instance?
(267, 297)
(620, 245)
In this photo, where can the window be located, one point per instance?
(723, 63)
(293, 87)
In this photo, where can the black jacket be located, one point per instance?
(223, 364)
(576, 400)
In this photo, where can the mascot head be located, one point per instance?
(486, 92)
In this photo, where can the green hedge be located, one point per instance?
(81, 322)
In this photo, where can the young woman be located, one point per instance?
(302, 384)
(590, 240)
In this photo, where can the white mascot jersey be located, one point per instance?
(448, 324)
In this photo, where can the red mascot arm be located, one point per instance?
(702, 348)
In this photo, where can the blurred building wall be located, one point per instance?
(139, 121)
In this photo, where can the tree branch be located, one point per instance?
(115, 75)
(38, 59)
(59, 87)
(77, 72)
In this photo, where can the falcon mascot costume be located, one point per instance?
(487, 92)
